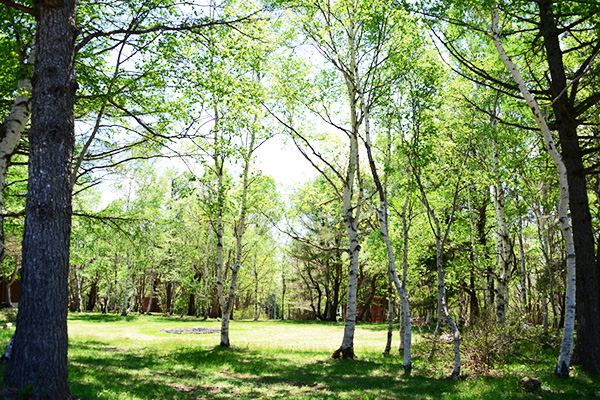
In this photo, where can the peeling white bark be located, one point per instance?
(10, 135)
(383, 225)
(564, 359)
(227, 306)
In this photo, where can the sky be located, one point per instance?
(284, 163)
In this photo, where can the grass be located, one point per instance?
(113, 357)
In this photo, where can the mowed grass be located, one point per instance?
(114, 357)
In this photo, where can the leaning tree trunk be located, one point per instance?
(383, 225)
(564, 359)
(10, 134)
(39, 356)
(587, 271)
(440, 240)
(227, 305)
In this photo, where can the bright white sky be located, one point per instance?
(284, 163)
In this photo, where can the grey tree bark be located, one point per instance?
(39, 357)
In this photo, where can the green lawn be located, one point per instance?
(113, 357)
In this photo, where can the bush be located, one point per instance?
(486, 345)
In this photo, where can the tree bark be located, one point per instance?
(588, 284)
(10, 134)
(240, 229)
(39, 357)
(92, 296)
(564, 360)
(504, 258)
(383, 227)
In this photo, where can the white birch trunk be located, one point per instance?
(351, 211)
(152, 277)
(523, 269)
(227, 307)
(440, 239)
(564, 359)
(10, 135)
(403, 322)
(383, 225)
(79, 282)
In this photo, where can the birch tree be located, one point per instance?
(568, 105)
(564, 360)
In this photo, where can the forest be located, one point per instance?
(450, 153)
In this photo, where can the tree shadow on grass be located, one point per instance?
(97, 317)
(97, 370)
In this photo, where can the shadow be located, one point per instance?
(223, 373)
(96, 317)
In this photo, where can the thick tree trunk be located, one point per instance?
(587, 276)
(92, 296)
(346, 350)
(39, 356)
(351, 211)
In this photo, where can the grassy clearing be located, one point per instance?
(113, 357)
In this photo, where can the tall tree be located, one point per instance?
(39, 357)
(560, 73)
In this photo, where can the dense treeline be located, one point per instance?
(437, 196)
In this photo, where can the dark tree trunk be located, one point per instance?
(169, 297)
(92, 297)
(191, 308)
(587, 346)
(39, 355)
(369, 300)
(473, 302)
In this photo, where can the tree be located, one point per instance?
(39, 356)
(566, 107)
(562, 368)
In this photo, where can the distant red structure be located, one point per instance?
(373, 314)
(155, 305)
(376, 310)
